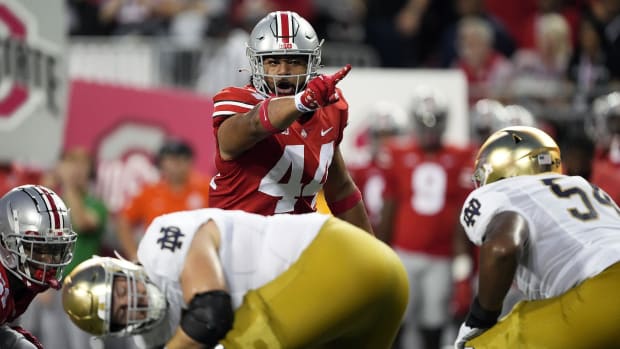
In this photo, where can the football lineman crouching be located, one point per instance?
(233, 279)
(36, 243)
(557, 235)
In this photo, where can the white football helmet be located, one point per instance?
(87, 297)
(487, 116)
(518, 115)
(385, 118)
(36, 239)
(282, 33)
(429, 112)
(606, 117)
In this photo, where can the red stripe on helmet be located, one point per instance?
(285, 26)
(54, 215)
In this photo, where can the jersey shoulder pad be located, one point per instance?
(479, 208)
(233, 100)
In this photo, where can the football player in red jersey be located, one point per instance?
(384, 123)
(278, 137)
(606, 164)
(36, 242)
(422, 200)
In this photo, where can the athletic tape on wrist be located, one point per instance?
(479, 317)
(346, 203)
(263, 116)
(299, 105)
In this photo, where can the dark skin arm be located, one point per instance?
(502, 247)
(338, 186)
(241, 132)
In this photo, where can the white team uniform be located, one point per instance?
(574, 228)
(254, 250)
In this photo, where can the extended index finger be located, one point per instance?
(340, 74)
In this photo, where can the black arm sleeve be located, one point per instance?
(209, 317)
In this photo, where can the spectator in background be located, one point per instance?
(502, 40)
(587, 68)
(13, 174)
(385, 121)
(487, 71)
(138, 17)
(395, 24)
(179, 188)
(424, 185)
(72, 178)
(569, 10)
(83, 18)
(223, 65)
(341, 20)
(277, 139)
(540, 72)
(606, 15)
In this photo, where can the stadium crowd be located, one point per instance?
(553, 64)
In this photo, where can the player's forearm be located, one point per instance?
(181, 340)
(241, 132)
(499, 257)
(496, 275)
(358, 217)
(282, 112)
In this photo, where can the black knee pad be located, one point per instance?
(209, 317)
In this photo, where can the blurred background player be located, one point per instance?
(420, 215)
(180, 187)
(292, 280)
(385, 120)
(556, 235)
(36, 243)
(486, 116)
(278, 137)
(606, 164)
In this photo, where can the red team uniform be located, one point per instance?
(13, 304)
(282, 173)
(429, 190)
(605, 174)
(370, 179)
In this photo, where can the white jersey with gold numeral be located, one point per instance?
(574, 228)
(254, 249)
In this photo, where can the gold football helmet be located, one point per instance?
(516, 151)
(87, 297)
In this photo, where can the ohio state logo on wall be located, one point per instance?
(28, 64)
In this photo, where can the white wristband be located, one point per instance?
(462, 266)
(300, 106)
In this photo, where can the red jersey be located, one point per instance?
(370, 179)
(282, 173)
(605, 174)
(13, 304)
(428, 190)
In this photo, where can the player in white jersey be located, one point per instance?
(557, 236)
(292, 281)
